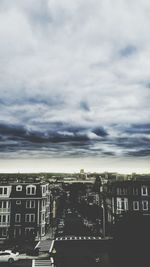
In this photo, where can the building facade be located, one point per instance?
(25, 210)
(5, 210)
(126, 196)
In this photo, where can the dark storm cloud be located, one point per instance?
(64, 139)
(59, 137)
(143, 128)
(131, 140)
(130, 143)
(99, 131)
(12, 130)
(140, 153)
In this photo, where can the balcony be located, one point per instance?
(4, 224)
(4, 210)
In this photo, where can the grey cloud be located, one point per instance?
(63, 140)
(143, 128)
(128, 51)
(63, 86)
(140, 153)
(84, 105)
(99, 131)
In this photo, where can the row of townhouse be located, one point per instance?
(24, 209)
(126, 196)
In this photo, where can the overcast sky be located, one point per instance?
(75, 85)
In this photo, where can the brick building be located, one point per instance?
(126, 196)
(24, 209)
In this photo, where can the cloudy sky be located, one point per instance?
(75, 85)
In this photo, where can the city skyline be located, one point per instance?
(75, 86)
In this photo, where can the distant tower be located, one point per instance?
(82, 175)
(82, 171)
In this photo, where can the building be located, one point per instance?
(24, 209)
(5, 209)
(126, 196)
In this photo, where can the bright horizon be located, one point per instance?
(72, 166)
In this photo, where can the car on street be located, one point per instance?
(8, 256)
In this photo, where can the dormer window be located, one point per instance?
(18, 188)
(3, 190)
(31, 190)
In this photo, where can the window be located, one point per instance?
(144, 190)
(30, 217)
(145, 205)
(43, 217)
(43, 203)
(4, 204)
(135, 191)
(30, 204)
(18, 202)
(3, 190)
(17, 217)
(43, 230)
(19, 188)
(44, 189)
(118, 191)
(121, 191)
(4, 232)
(122, 204)
(4, 218)
(135, 205)
(31, 190)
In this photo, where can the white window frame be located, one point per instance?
(43, 230)
(4, 219)
(3, 190)
(17, 217)
(6, 190)
(18, 202)
(29, 204)
(4, 216)
(29, 189)
(121, 200)
(134, 204)
(28, 217)
(43, 217)
(145, 188)
(4, 232)
(2, 204)
(19, 188)
(145, 201)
